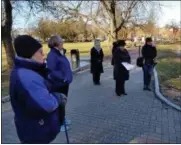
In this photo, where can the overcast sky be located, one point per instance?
(171, 11)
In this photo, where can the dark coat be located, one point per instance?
(120, 72)
(35, 107)
(149, 53)
(96, 61)
(113, 50)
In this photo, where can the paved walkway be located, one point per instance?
(99, 116)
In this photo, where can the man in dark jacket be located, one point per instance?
(97, 57)
(149, 53)
(35, 107)
(59, 65)
(120, 72)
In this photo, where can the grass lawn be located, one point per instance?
(83, 47)
(169, 70)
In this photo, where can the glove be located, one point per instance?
(61, 98)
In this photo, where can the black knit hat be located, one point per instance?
(121, 43)
(26, 46)
(148, 39)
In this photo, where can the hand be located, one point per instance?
(61, 98)
(64, 99)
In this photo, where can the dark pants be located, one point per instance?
(64, 90)
(147, 71)
(96, 77)
(120, 87)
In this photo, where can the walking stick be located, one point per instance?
(66, 133)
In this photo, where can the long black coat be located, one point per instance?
(113, 50)
(96, 61)
(120, 72)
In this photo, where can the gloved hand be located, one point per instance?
(61, 98)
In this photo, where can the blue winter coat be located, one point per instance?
(59, 66)
(35, 108)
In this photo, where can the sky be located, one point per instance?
(170, 11)
(173, 11)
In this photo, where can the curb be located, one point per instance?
(80, 69)
(160, 96)
(7, 98)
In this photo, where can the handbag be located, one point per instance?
(140, 59)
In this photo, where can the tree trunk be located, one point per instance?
(6, 34)
(7, 41)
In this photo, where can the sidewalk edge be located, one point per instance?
(160, 96)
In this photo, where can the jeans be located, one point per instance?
(147, 73)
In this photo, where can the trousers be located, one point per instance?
(120, 89)
(96, 77)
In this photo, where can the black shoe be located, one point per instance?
(118, 94)
(148, 89)
(125, 94)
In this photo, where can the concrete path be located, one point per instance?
(99, 116)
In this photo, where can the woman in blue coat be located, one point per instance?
(35, 106)
(59, 66)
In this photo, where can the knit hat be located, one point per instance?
(148, 39)
(26, 46)
(121, 43)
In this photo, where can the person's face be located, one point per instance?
(60, 45)
(97, 44)
(149, 43)
(39, 56)
(122, 47)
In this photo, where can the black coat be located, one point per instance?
(149, 53)
(96, 61)
(113, 50)
(120, 72)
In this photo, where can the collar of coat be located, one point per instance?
(56, 51)
(97, 49)
(30, 64)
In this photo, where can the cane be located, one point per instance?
(66, 133)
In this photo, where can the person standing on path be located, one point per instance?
(112, 61)
(121, 73)
(35, 107)
(97, 57)
(149, 53)
(58, 63)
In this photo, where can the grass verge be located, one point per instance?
(169, 71)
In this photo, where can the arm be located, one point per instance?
(117, 58)
(93, 60)
(54, 74)
(38, 98)
(154, 52)
(128, 58)
(143, 51)
(102, 58)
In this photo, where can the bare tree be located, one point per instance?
(6, 28)
(174, 27)
(109, 16)
(7, 8)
